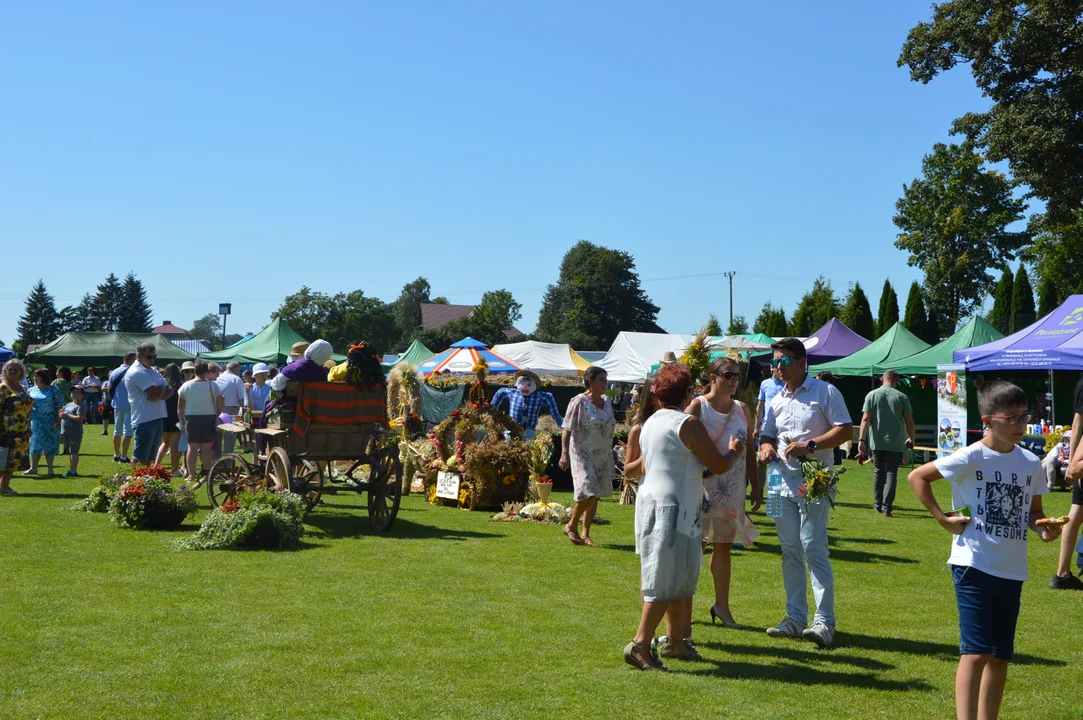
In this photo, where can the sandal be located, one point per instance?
(588, 541)
(641, 657)
(680, 650)
(573, 536)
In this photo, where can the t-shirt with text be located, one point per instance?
(998, 489)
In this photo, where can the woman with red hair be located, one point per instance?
(676, 447)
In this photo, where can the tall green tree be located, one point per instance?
(407, 308)
(915, 319)
(1048, 298)
(341, 319)
(1023, 310)
(89, 316)
(108, 300)
(888, 313)
(40, 322)
(953, 224)
(771, 321)
(816, 308)
(208, 329)
(713, 328)
(134, 315)
(737, 326)
(489, 322)
(596, 296)
(1000, 316)
(856, 313)
(1057, 254)
(1024, 57)
(933, 330)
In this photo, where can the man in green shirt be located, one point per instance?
(887, 429)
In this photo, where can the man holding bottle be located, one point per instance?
(806, 417)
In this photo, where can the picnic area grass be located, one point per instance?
(452, 616)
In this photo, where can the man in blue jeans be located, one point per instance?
(147, 393)
(806, 418)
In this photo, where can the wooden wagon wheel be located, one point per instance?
(311, 474)
(277, 470)
(225, 476)
(385, 488)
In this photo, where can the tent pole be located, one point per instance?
(1052, 400)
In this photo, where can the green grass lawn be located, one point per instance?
(452, 616)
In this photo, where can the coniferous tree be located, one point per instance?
(816, 308)
(856, 313)
(1000, 316)
(771, 321)
(108, 299)
(1022, 300)
(916, 320)
(888, 314)
(1048, 299)
(88, 315)
(713, 328)
(39, 323)
(135, 315)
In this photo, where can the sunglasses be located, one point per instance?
(150, 357)
(1020, 419)
(781, 362)
(728, 374)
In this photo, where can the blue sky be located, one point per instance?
(233, 152)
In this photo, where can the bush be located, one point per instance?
(102, 496)
(259, 519)
(147, 501)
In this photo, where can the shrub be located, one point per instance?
(147, 501)
(102, 495)
(259, 519)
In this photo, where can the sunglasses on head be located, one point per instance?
(781, 362)
(728, 374)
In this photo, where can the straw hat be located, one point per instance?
(529, 374)
(188, 365)
(669, 358)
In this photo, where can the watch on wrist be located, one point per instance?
(811, 445)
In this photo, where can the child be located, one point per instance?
(1000, 484)
(71, 427)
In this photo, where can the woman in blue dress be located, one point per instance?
(44, 422)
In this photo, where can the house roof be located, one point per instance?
(168, 328)
(435, 316)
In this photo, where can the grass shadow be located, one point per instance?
(798, 653)
(946, 651)
(52, 496)
(796, 674)
(335, 526)
(856, 556)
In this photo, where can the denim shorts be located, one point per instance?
(988, 610)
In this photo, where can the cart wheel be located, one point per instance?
(312, 475)
(385, 488)
(225, 475)
(278, 469)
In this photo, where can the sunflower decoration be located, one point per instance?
(697, 356)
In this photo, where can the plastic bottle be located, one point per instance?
(774, 490)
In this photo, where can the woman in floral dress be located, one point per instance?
(588, 451)
(44, 421)
(724, 518)
(15, 407)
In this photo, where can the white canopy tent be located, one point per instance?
(633, 353)
(734, 342)
(544, 358)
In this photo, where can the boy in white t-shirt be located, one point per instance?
(1000, 484)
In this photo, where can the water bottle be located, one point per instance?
(774, 490)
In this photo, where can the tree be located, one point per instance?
(597, 295)
(134, 315)
(953, 224)
(1025, 57)
(39, 323)
(915, 319)
(816, 308)
(856, 313)
(489, 322)
(888, 313)
(713, 328)
(771, 321)
(931, 333)
(209, 329)
(89, 315)
(108, 299)
(1057, 254)
(1048, 298)
(342, 319)
(738, 326)
(407, 308)
(1022, 300)
(1000, 316)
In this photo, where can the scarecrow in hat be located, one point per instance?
(525, 402)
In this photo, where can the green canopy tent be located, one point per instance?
(876, 357)
(757, 337)
(976, 332)
(270, 345)
(103, 349)
(416, 354)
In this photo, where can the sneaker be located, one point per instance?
(71, 473)
(1068, 582)
(116, 458)
(820, 634)
(125, 460)
(178, 473)
(788, 628)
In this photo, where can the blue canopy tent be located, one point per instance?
(6, 354)
(461, 358)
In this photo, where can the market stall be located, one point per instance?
(552, 359)
(103, 349)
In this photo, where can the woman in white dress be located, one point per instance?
(587, 439)
(675, 447)
(724, 518)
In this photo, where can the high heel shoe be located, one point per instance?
(715, 616)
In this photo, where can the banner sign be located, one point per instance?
(447, 485)
(950, 408)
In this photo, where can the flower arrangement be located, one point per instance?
(697, 356)
(146, 500)
(102, 495)
(253, 519)
(545, 480)
(819, 480)
(534, 512)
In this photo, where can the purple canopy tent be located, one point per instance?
(832, 342)
(1053, 343)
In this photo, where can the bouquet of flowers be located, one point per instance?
(819, 480)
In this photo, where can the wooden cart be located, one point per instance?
(302, 464)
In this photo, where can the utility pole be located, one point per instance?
(730, 275)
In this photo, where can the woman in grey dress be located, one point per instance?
(676, 447)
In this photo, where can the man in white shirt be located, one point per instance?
(147, 393)
(806, 417)
(232, 387)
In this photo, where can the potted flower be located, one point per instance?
(545, 487)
